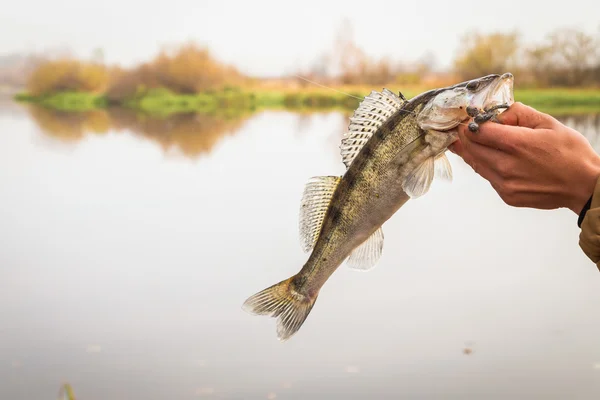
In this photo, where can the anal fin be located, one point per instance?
(365, 256)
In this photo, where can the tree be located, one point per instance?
(576, 52)
(65, 75)
(568, 57)
(485, 54)
(191, 69)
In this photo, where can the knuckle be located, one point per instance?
(473, 165)
(510, 146)
(508, 199)
(505, 168)
(508, 192)
(514, 143)
(517, 108)
(510, 187)
(569, 142)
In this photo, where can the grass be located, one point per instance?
(67, 101)
(163, 102)
(561, 101)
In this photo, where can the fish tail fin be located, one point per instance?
(284, 302)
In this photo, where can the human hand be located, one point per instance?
(531, 159)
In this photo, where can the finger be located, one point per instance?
(497, 136)
(482, 169)
(482, 159)
(456, 147)
(519, 114)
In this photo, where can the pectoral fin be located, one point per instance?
(442, 167)
(417, 183)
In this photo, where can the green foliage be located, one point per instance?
(559, 100)
(162, 101)
(66, 101)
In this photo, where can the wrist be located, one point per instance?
(582, 193)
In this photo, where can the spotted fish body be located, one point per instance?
(393, 149)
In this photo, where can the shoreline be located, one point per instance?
(162, 102)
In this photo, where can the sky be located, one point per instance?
(270, 38)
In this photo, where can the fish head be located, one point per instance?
(451, 106)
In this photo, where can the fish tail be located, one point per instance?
(284, 302)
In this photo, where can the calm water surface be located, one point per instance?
(129, 245)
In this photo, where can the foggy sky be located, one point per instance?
(265, 37)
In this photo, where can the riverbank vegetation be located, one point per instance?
(561, 72)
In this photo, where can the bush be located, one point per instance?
(191, 70)
(67, 75)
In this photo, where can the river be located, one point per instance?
(129, 245)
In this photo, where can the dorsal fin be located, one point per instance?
(372, 112)
(315, 202)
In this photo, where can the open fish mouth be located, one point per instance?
(491, 100)
(500, 92)
(492, 91)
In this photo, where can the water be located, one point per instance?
(128, 247)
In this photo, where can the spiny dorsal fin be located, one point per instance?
(442, 167)
(417, 183)
(315, 201)
(365, 256)
(372, 112)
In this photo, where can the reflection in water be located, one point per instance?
(69, 126)
(195, 134)
(190, 134)
(8, 106)
(587, 124)
(66, 392)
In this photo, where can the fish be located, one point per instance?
(393, 149)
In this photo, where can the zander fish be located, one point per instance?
(392, 150)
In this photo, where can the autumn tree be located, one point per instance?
(67, 75)
(566, 58)
(190, 69)
(483, 54)
(126, 83)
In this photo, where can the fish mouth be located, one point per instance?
(501, 92)
(496, 90)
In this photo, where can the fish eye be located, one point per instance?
(473, 85)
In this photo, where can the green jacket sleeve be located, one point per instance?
(589, 238)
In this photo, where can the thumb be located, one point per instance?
(518, 114)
